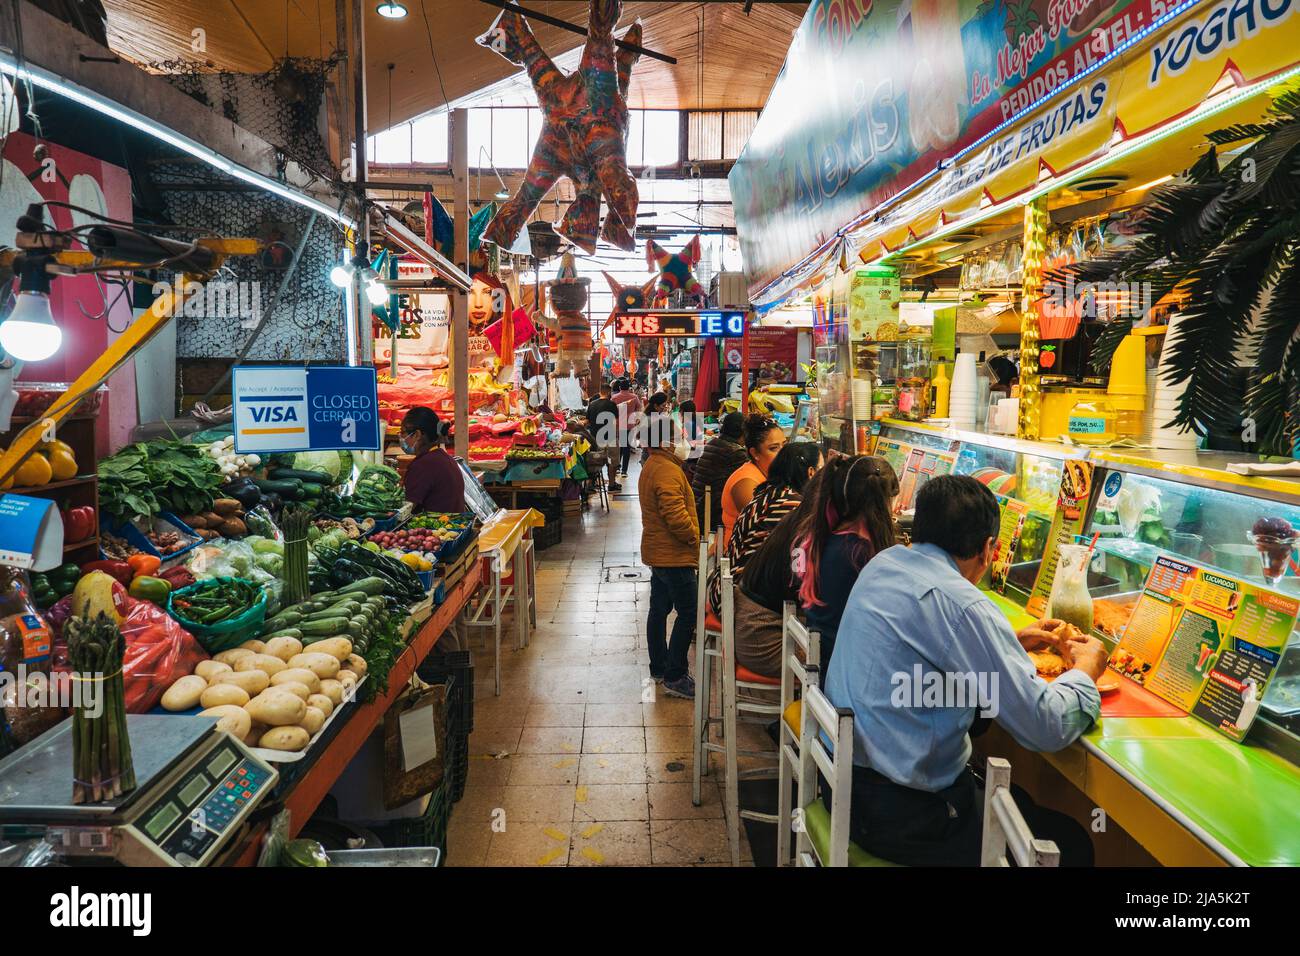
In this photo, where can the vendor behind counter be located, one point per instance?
(433, 480)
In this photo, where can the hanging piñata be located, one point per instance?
(584, 130)
(676, 270)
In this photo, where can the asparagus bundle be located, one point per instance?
(101, 750)
(295, 522)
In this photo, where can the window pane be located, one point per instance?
(636, 138)
(480, 136)
(661, 137)
(394, 145)
(429, 136)
(534, 128)
(370, 149)
(509, 138)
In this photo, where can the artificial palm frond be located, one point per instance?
(1228, 239)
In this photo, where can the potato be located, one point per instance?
(301, 691)
(231, 719)
(210, 669)
(337, 647)
(285, 738)
(257, 647)
(347, 679)
(276, 709)
(266, 663)
(333, 690)
(252, 682)
(323, 666)
(313, 721)
(321, 703)
(221, 695)
(254, 733)
(284, 647)
(298, 675)
(229, 657)
(185, 693)
(357, 665)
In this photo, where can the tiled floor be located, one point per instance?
(582, 760)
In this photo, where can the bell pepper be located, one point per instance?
(144, 565)
(78, 523)
(119, 570)
(148, 588)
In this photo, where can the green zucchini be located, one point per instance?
(311, 639)
(299, 474)
(293, 632)
(289, 490)
(372, 586)
(286, 618)
(325, 627)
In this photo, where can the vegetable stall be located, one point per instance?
(289, 597)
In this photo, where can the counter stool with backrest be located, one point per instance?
(741, 703)
(822, 836)
(1005, 827)
(796, 673)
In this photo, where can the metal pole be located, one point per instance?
(460, 320)
(360, 346)
(744, 367)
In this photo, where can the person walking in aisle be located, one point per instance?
(656, 406)
(602, 419)
(629, 411)
(670, 537)
(717, 462)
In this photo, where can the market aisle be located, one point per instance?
(585, 770)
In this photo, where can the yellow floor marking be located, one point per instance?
(552, 856)
(580, 795)
(592, 830)
(595, 856)
(566, 762)
(568, 748)
(555, 834)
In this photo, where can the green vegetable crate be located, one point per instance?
(231, 630)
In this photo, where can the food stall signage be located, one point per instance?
(659, 324)
(320, 408)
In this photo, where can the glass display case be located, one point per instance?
(1184, 505)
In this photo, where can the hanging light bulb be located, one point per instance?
(29, 333)
(391, 10)
(376, 292)
(341, 275)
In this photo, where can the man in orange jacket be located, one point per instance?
(670, 534)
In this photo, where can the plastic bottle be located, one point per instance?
(941, 385)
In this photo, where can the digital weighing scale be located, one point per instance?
(195, 789)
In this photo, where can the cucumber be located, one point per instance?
(372, 586)
(312, 489)
(289, 490)
(325, 627)
(302, 475)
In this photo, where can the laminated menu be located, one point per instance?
(1206, 642)
(1011, 527)
(921, 465)
(1067, 525)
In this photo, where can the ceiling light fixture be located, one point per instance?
(391, 10)
(501, 194)
(29, 332)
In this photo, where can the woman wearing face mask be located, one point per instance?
(433, 481)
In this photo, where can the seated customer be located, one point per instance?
(919, 615)
(434, 481)
(758, 625)
(717, 462)
(849, 525)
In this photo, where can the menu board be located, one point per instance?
(1205, 642)
(1067, 525)
(921, 465)
(1014, 512)
(895, 452)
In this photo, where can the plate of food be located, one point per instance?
(1051, 665)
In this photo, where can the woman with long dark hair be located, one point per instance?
(849, 525)
(764, 440)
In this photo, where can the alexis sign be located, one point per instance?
(661, 324)
(292, 408)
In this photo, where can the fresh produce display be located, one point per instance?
(214, 601)
(353, 563)
(148, 477)
(535, 454)
(274, 701)
(57, 583)
(437, 521)
(351, 528)
(63, 463)
(115, 547)
(167, 542)
(101, 748)
(225, 520)
(230, 463)
(378, 491)
(295, 522)
(78, 524)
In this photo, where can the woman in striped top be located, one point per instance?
(775, 498)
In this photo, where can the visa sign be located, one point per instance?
(292, 408)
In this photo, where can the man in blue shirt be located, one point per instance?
(921, 651)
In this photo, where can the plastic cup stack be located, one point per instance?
(964, 394)
(862, 399)
(1164, 404)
